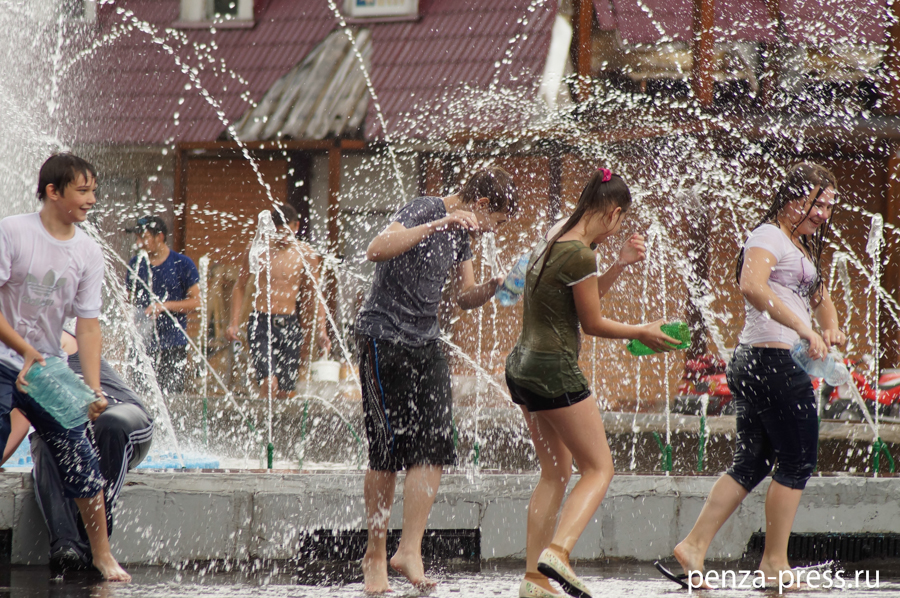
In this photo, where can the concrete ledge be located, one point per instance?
(178, 516)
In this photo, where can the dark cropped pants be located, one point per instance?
(121, 437)
(777, 423)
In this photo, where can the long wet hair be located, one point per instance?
(802, 179)
(604, 191)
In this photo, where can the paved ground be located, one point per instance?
(610, 580)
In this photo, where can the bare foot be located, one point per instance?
(691, 559)
(781, 577)
(375, 575)
(411, 568)
(110, 569)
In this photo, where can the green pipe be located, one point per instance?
(359, 445)
(356, 438)
(701, 450)
(205, 421)
(879, 448)
(303, 432)
(270, 454)
(476, 453)
(666, 451)
(819, 428)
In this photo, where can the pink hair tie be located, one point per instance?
(606, 175)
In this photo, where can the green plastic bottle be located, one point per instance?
(677, 330)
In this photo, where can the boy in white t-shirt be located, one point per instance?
(51, 270)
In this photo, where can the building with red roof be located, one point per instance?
(347, 116)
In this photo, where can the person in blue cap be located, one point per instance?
(165, 286)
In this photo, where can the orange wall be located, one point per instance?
(646, 292)
(228, 198)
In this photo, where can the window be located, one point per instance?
(390, 9)
(203, 13)
(79, 10)
(224, 9)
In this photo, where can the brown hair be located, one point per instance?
(62, 169)
(284, 214)
(497, 185)
(803, 178)
(603, 192)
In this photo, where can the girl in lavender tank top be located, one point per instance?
(779, 271)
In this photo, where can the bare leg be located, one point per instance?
(419, 490)
(580, 428)
(722, 501)
(781, 508)
(543, 509)
(93, 513)
(378, 491)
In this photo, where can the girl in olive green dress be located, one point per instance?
(562, 299)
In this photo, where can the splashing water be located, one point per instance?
(36, 123)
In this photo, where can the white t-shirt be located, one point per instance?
(792, 278)
(43, 281)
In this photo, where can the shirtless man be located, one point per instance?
(284, 289)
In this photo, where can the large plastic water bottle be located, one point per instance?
(832, 370)
(60, 392)
(676, 330)
(512, 287)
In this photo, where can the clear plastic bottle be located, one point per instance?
(512, 287)
(60, 391)
(678, 330)
(832, 370)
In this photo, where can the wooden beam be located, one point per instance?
(334, 198)
(180, 199)
(699, 245)
(449, 175)
(704, 18)
(286, 145)
(890, 332)
(773, 57)
(334, 229)
(892, 63)
(554, 197)
(582, 24)
(422, 159)
(300, 166)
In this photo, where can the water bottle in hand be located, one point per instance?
(512, 287)
(832, 370)
(60, 392)
(676, 330)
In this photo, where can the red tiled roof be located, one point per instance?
(424, 72)
(138, 86)
(420, 70)
(817, 22)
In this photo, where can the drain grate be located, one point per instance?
(437, 545)
(846, 548)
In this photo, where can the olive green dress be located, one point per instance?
(545, 358)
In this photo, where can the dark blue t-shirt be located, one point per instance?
(402, 305)
(170, 282)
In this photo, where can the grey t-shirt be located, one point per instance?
(402, 305)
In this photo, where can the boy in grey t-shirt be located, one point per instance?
(51, 270)
(404, 373)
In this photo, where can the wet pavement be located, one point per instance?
(282, 580)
